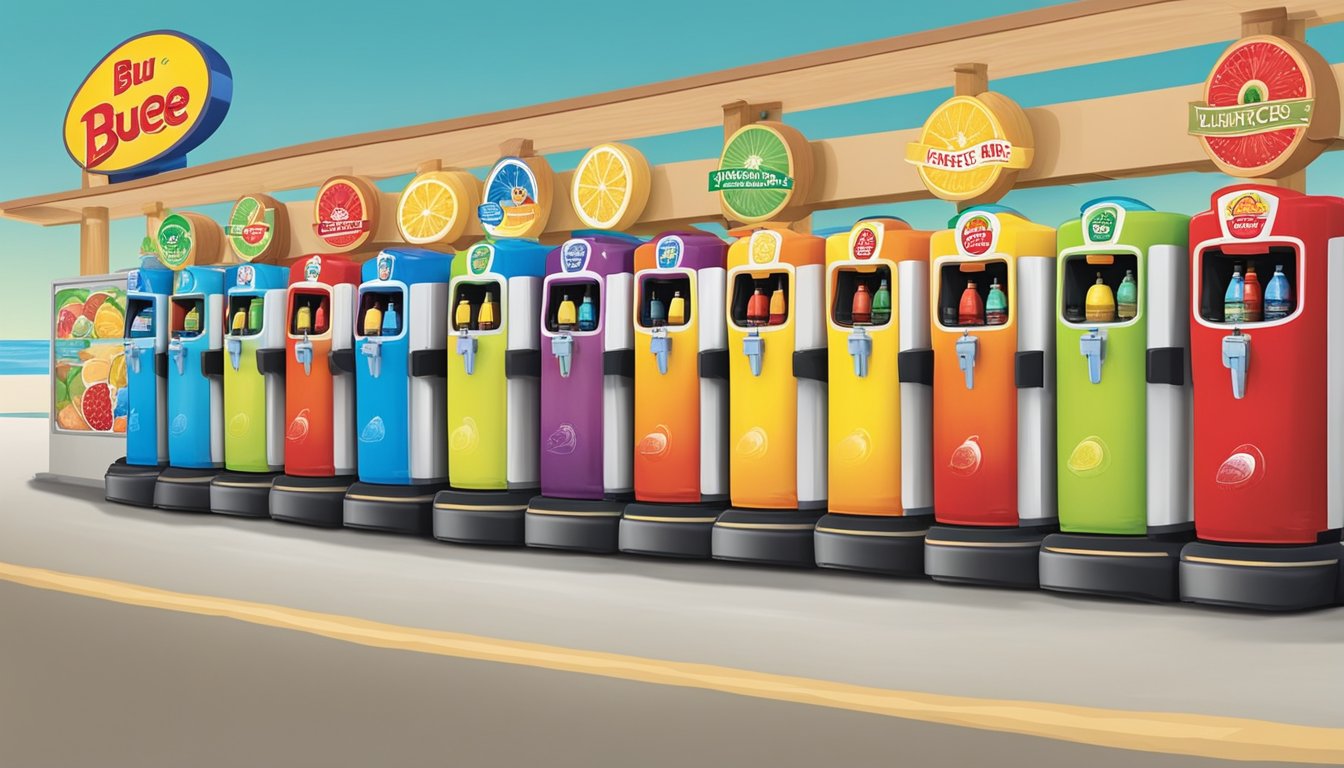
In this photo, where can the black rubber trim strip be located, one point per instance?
(212, 362)
(714, 364)
(342, 360)
(271, 361)
(522, 364)
(161, 364)
(619, 362)
(1166, 365)
(429, 362)
(915, 366)
(810, 364)
(1030, 372)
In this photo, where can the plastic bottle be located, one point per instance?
(373, 320)
(996, 305)
(972, 308)
(192, 322)
(485, 318)
(391, 325)
(239, 321)
(1127, 297)
(565, 315)
(303, 319)
(1253, 305)
(255, 315)
(1278, 296)
(320, 319)
(1234, 307)
(676, 310)
(758, 308)
(1100, 302)
(882, 304)
(657, 310)
(777, 305)
(462, 315)
(861, 308)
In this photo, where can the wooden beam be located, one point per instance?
(94, 241)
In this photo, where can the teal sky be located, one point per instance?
(305, 71)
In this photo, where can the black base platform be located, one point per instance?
(996, 557)
(130, 483)
(873, 544)
(404, 509)
(669, 530)
(583, 525)
(1133, 567)
(184, 490)
(242, 494)
(310, 500)
(769, 537)
(1267, 578)
(481, 517)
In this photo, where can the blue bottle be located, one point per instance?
(1234, 304)
(587, 314)
(1278, 296)
(391, 326)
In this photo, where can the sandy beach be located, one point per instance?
(25, 394)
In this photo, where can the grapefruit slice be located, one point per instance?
(1245, 465)
(96, 407)
(435, 207)
(610, 187)
(345, 213)
(65, 320)
(765, 146)
(966, 457)
(298, 427)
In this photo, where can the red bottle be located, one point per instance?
(972, 309)
(1253, 299)
(758, 309)
(861, 309)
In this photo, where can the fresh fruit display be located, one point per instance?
(89, 367)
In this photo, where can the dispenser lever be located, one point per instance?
(754, 348)
(372, 350)
(1092, 345)
(562, 346)
(178, 354)
(466, 347)
(132, 356)
(967, 346)
(860, 348)
(1237, 359)
(303, 354)
(660, 345)
(235, 347)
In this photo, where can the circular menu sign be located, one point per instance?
(972, 147)
(257, 229)
(345, 213)
(764, 173)
(185, 239)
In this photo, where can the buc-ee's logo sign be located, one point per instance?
(146, 104)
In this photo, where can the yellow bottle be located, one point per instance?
(567, 315)
(373, 321)
(676, 310)
(303, 320)
(1100, 303)
(485, 319)
(777, 306)
(462, 315)
(239, 322)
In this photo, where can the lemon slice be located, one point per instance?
(610, 187)
(961, 124)
(435, 207)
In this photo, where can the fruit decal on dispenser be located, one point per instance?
(972, 147)
(258, 229)
(374, 431)
(563, 440)
(465, 437)
(856, 447)
(1089, 457)
(754, 443)
(765, 169)
(517, 198)
(297, 431)
(435, 207)
(1244, 466)
(966, 457)
(655, 444)
(89, 376)
(610, 187)
(1270, 107)
(345, 214)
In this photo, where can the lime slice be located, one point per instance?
(174, 241)
(251, 243)
(756, 147)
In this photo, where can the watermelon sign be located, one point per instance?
(257, 229)
(1270, 107)
(345, 214)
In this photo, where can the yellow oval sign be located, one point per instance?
(148, 102)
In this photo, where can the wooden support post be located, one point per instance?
(428, 166)
(969, 80)
(93, 241)
(1275, 21)
(516, 148)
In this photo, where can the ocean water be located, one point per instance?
(24, 357)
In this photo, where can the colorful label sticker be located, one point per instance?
(89, 375)
(312, 269)
(1248, 214)
(174, 240)
(1102, 223)
(510, 207)
(668, 252)
(482, 256)
(574, 255)
(977, 234)
(864, 241)
(246, 276)
(764, 246)
(386, 262)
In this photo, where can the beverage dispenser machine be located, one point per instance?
(195, 390)
(401, 323)
(777, 397)
(587, 367)
(131, 480)
(880, 379)
(992, 296)
(1122, 331)
(254, 389)
(494, 368)
(681, 396)
(319, 392)
(1268, 366)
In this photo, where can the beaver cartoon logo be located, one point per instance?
(385, 261)
(520, 196)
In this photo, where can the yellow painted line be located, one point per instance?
(571, 513)
(669, 519)
(202, 479)
(311, 488)
(985, 544)
(234, 484)
(887, 534)
(390, 499)
(1228, 738)
(1260, 563)
(768, 526)
(1103, 552)
(481, 507)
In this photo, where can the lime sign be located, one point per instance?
(764, 170)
